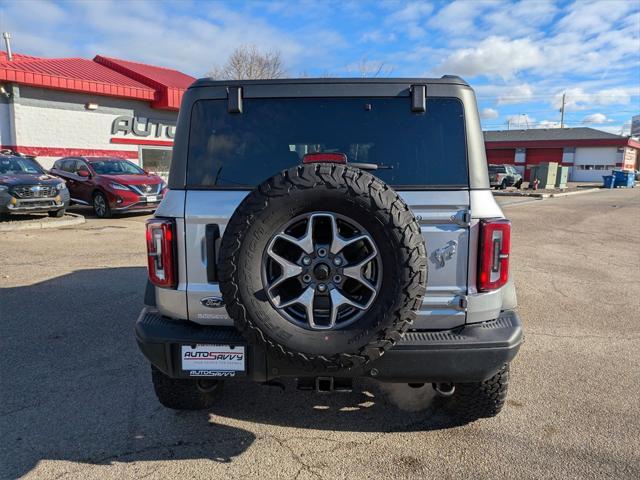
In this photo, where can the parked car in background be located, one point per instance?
(109, 184)
(26, 188)
(503, 176)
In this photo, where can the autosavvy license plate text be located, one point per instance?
(223, 358)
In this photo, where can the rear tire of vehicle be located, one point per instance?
(472, 401)
(518, 184)
(341, 190)
(57, 213)
(503, 185)
(184, 393)
(101, 206)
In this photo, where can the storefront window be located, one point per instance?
(156, 160)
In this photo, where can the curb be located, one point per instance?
(547, 195)
(578, 192)
(515, 203)
(75, 219)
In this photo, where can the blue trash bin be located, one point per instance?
(608, 181)
(624, 178)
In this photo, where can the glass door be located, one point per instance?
(156, 160)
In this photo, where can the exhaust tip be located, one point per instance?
(444, 389)
(207, 386)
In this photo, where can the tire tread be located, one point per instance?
(353, 182)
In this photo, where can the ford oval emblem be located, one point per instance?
(212, 302)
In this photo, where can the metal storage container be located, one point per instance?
(561, 177)
(608, 181)
(546, 174)
(624, 178)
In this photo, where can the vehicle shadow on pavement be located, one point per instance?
(74, 387)
(370, 407)
(88, 212)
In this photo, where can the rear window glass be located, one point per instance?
(241, 150)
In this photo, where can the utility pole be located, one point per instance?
(562, 110)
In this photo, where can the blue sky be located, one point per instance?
(519, 56)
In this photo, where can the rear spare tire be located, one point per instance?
(324, 264)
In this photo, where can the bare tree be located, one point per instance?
(365, 68)
(248, 62)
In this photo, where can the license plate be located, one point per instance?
(213, 360)
(152, 198)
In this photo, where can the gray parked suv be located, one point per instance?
(329, 230)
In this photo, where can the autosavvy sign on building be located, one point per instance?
(141, 127)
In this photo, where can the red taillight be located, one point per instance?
(495, 247)
(324, 158)
(161, 253)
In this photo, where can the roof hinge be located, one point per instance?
(418, 98)
(234, 99)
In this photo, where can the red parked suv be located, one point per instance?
(110, 184)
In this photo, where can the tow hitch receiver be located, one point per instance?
(325, 384)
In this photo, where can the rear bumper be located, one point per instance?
(472, 353)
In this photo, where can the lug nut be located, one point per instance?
(337, 261)
(337, 278)
(322, 252)
(306, 278)
(322, 287)
(306, 260)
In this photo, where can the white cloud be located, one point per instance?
(456, 17)
(517, 94)
(523, 17)
(489, 113)
(494, 56)
(578, 99)
(593, 16)
(520, 121)
(410, 19)
(547, 124)
(596, 118)
(378, 36)
(411, 12)
(477, 19)
(143, 31)
(504, 40)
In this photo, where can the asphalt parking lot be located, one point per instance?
(77, 401)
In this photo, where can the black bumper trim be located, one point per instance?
(470, 353)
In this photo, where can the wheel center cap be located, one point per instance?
(321, 271)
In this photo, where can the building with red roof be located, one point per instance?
(56, 107)
(589, 153)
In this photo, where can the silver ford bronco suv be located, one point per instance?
(328, 230)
